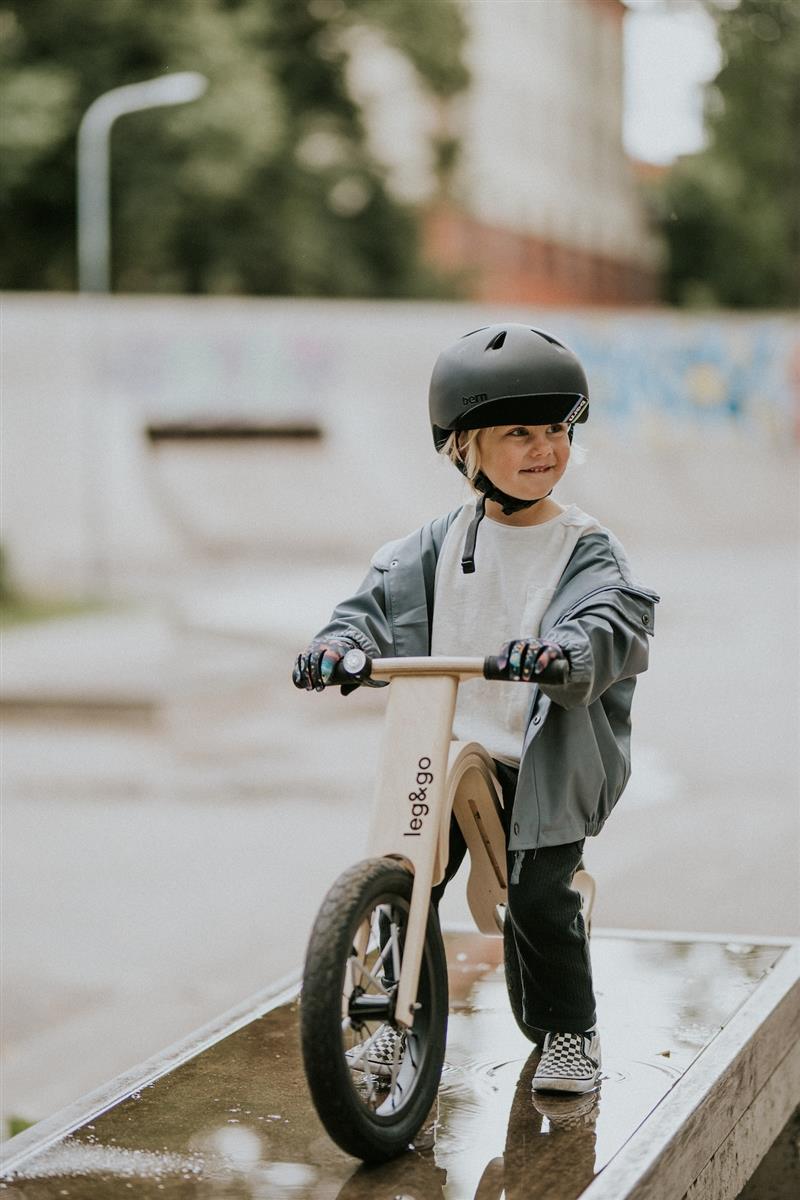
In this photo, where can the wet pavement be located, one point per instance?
(236, 1121)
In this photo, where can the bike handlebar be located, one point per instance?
(358, 667)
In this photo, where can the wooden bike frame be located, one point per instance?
(423, 777)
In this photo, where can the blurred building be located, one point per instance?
(543, 205)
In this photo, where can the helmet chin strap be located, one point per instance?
(509, 504)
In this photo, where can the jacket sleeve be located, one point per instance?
(363, 617)
(604, 643)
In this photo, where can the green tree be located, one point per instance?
(731, 214)
(265, 185)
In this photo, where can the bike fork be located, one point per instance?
(409, 811)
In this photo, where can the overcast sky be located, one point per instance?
(670, 51)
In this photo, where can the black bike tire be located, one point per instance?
(359, 1132)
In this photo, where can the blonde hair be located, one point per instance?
(464, 452)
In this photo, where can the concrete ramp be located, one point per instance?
(701, 1072)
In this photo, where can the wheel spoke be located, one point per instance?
(395, 943)
(359, 966)
(393, 946)
(392, 943)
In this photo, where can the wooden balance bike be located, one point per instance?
(376, 961)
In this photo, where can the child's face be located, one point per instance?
(525, 461)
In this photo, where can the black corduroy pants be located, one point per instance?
(548, 928)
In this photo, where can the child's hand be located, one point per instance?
(313, 669)
(529, 657)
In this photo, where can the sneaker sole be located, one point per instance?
(577, 1086)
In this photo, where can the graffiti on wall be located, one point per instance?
(730, 370)
(721, 369)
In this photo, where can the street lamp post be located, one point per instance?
(94, 275)
(94, 132)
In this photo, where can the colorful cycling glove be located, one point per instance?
(528, 657)
(313, 668)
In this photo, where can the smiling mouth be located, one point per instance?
(536, 470)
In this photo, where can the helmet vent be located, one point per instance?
(548, 338)
(497, 341)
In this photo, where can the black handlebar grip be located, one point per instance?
(355, 667)
(556, 672)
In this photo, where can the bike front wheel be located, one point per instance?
(371, 1109)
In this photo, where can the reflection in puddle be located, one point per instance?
(546, 1138)
(416, 1177)
(237, 1145)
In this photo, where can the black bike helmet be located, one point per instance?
(501, 375)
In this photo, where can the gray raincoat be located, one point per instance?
(575, 757)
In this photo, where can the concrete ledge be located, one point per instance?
(99, 664)
(735, 1162)
(52, 707)
(210, 430)
(747, 1068)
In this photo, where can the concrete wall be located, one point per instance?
(693, 423)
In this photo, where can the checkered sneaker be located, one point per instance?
(379, 1053)
(570, 1062)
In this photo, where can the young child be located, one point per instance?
(503, 404)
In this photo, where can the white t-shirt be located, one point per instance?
(517, 569)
